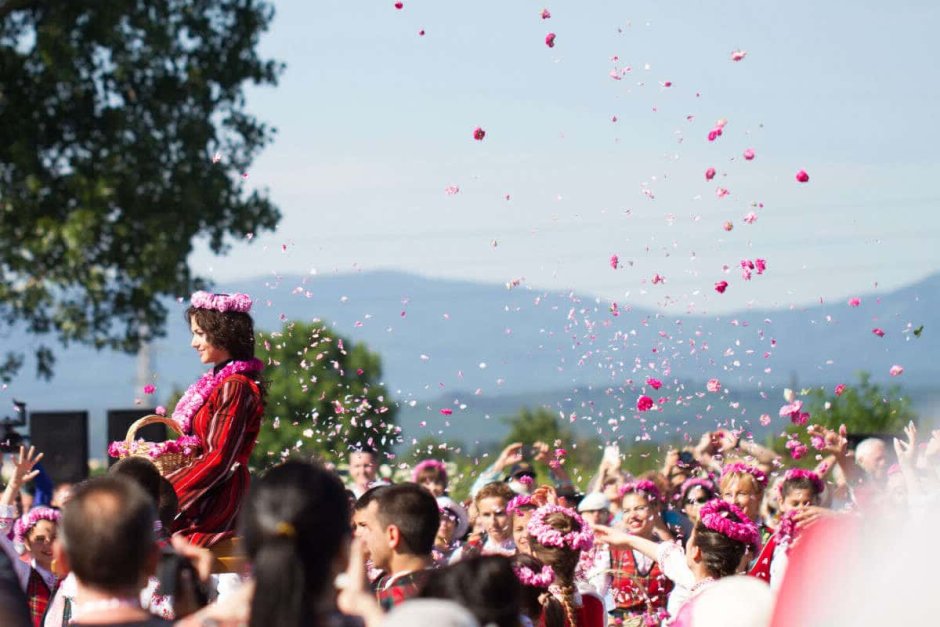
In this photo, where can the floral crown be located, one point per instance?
(429, 463)
(519, 501)
(741, 468)
(795, 474)
(528, 577)
(546, 535)
(645, 487)
(696, 482)
(714, 516)
(240, 303)
(25, 523)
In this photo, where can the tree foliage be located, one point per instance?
(865, 408)
(123, 138)
(324, 396)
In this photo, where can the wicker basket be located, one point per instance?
(166, 463)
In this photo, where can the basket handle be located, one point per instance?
(149, 420)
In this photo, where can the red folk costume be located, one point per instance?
(211, 488)
(637, 590)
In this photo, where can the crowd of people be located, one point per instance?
(725, 533)
(714, 528)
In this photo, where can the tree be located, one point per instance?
(123, 138)
(323, 397)
(864, 408)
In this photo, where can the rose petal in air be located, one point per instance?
(479, 134)
(855, 301)
(709, 174)
(749, 154)
(738, 55)
(644, 403)
(654, 383)
(550, 40)
(713, 385)
(447, 411)
(545, 14)
(721, 286)
(802, 176)
(896, 370)
(878, 332)
(614, 262)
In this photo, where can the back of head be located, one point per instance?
(487, 586)
(142, 472)
(430, 612)
(721, 555)
(546, 521)
(294, 525)
(414, 511)
(107, 533)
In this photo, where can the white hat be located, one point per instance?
(430, 612)
(593, 502)
(463, 521)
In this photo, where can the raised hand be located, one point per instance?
(907, 451)
(510, 455)
(833, 442)
(23, 466)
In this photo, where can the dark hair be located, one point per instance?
(563, 561)
(367, 497)
(721, 555)
(107, 532)
(142, 472)
(168, 505)
(414, 511)
(688, 488)
(232, 331)
(529, 603)
(486, 586)
(294, 524)
(496, 488)
(799, 483)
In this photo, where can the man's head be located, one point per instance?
(106, 535)
(362, 467)
(595, 509)
(871, 455)
(400, 519)
(491, 503)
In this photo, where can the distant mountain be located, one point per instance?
(478, 344)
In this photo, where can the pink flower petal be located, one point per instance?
(713, 385)
(447, 411)
(738, 55)
(545, 14)
(896, 370)
(840, 389)
(855, 301)
(644, 403)
(550, 40)
(479, 134)
(721, 286)
(878, 332)
(709, 174)
(614, 262)
(802, 176)
(149, 389)
(654, 383)
(749, 154)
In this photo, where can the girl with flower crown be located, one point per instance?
(35, 531)
(638, 586)
(557, 535)
(799, 490)
(223, 409)
(717, 547)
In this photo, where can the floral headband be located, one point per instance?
(645, 487)
(795, 474)
(528, 577)
(714, 516)
(25, 523)
(696, 482)
(546, 535)
(519, 501)
(240, 303)
(741, 468)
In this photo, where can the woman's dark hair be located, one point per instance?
(232, 331)
(294, 524)
(688, 489)
(721, 555)
(529, 604)
(486, 586)
(563, 561)
(799, 483)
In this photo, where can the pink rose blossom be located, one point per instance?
(840, 389)
(550, 40)
(896, 370)
(614, 261)
(654, 383)
(749, 154)
(709, 174)
(479, 134)
(797, 449)
(399, 5)
(721, 286)
(545, 14)
(760, 265)
(644, 403)
(750, 218)
(728, 226)
(658, 278)
(878, 332)
(160, 410)
(817, 442)
(802, 176)
(855, 301)
(149, 389)
(765, 419)
(713, 385)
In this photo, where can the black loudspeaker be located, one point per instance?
(120, 420)
(62, 437)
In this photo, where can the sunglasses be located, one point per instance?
(699, 501)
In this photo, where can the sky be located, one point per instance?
(375, 122)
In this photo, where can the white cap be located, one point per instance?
(593, 502)
(463, 520)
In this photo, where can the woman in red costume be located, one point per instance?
(223, 409)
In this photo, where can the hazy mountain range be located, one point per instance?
(484, 350)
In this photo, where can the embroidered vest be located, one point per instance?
(631, 588)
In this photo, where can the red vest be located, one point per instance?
(631, 588)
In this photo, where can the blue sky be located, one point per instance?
(375, 121)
